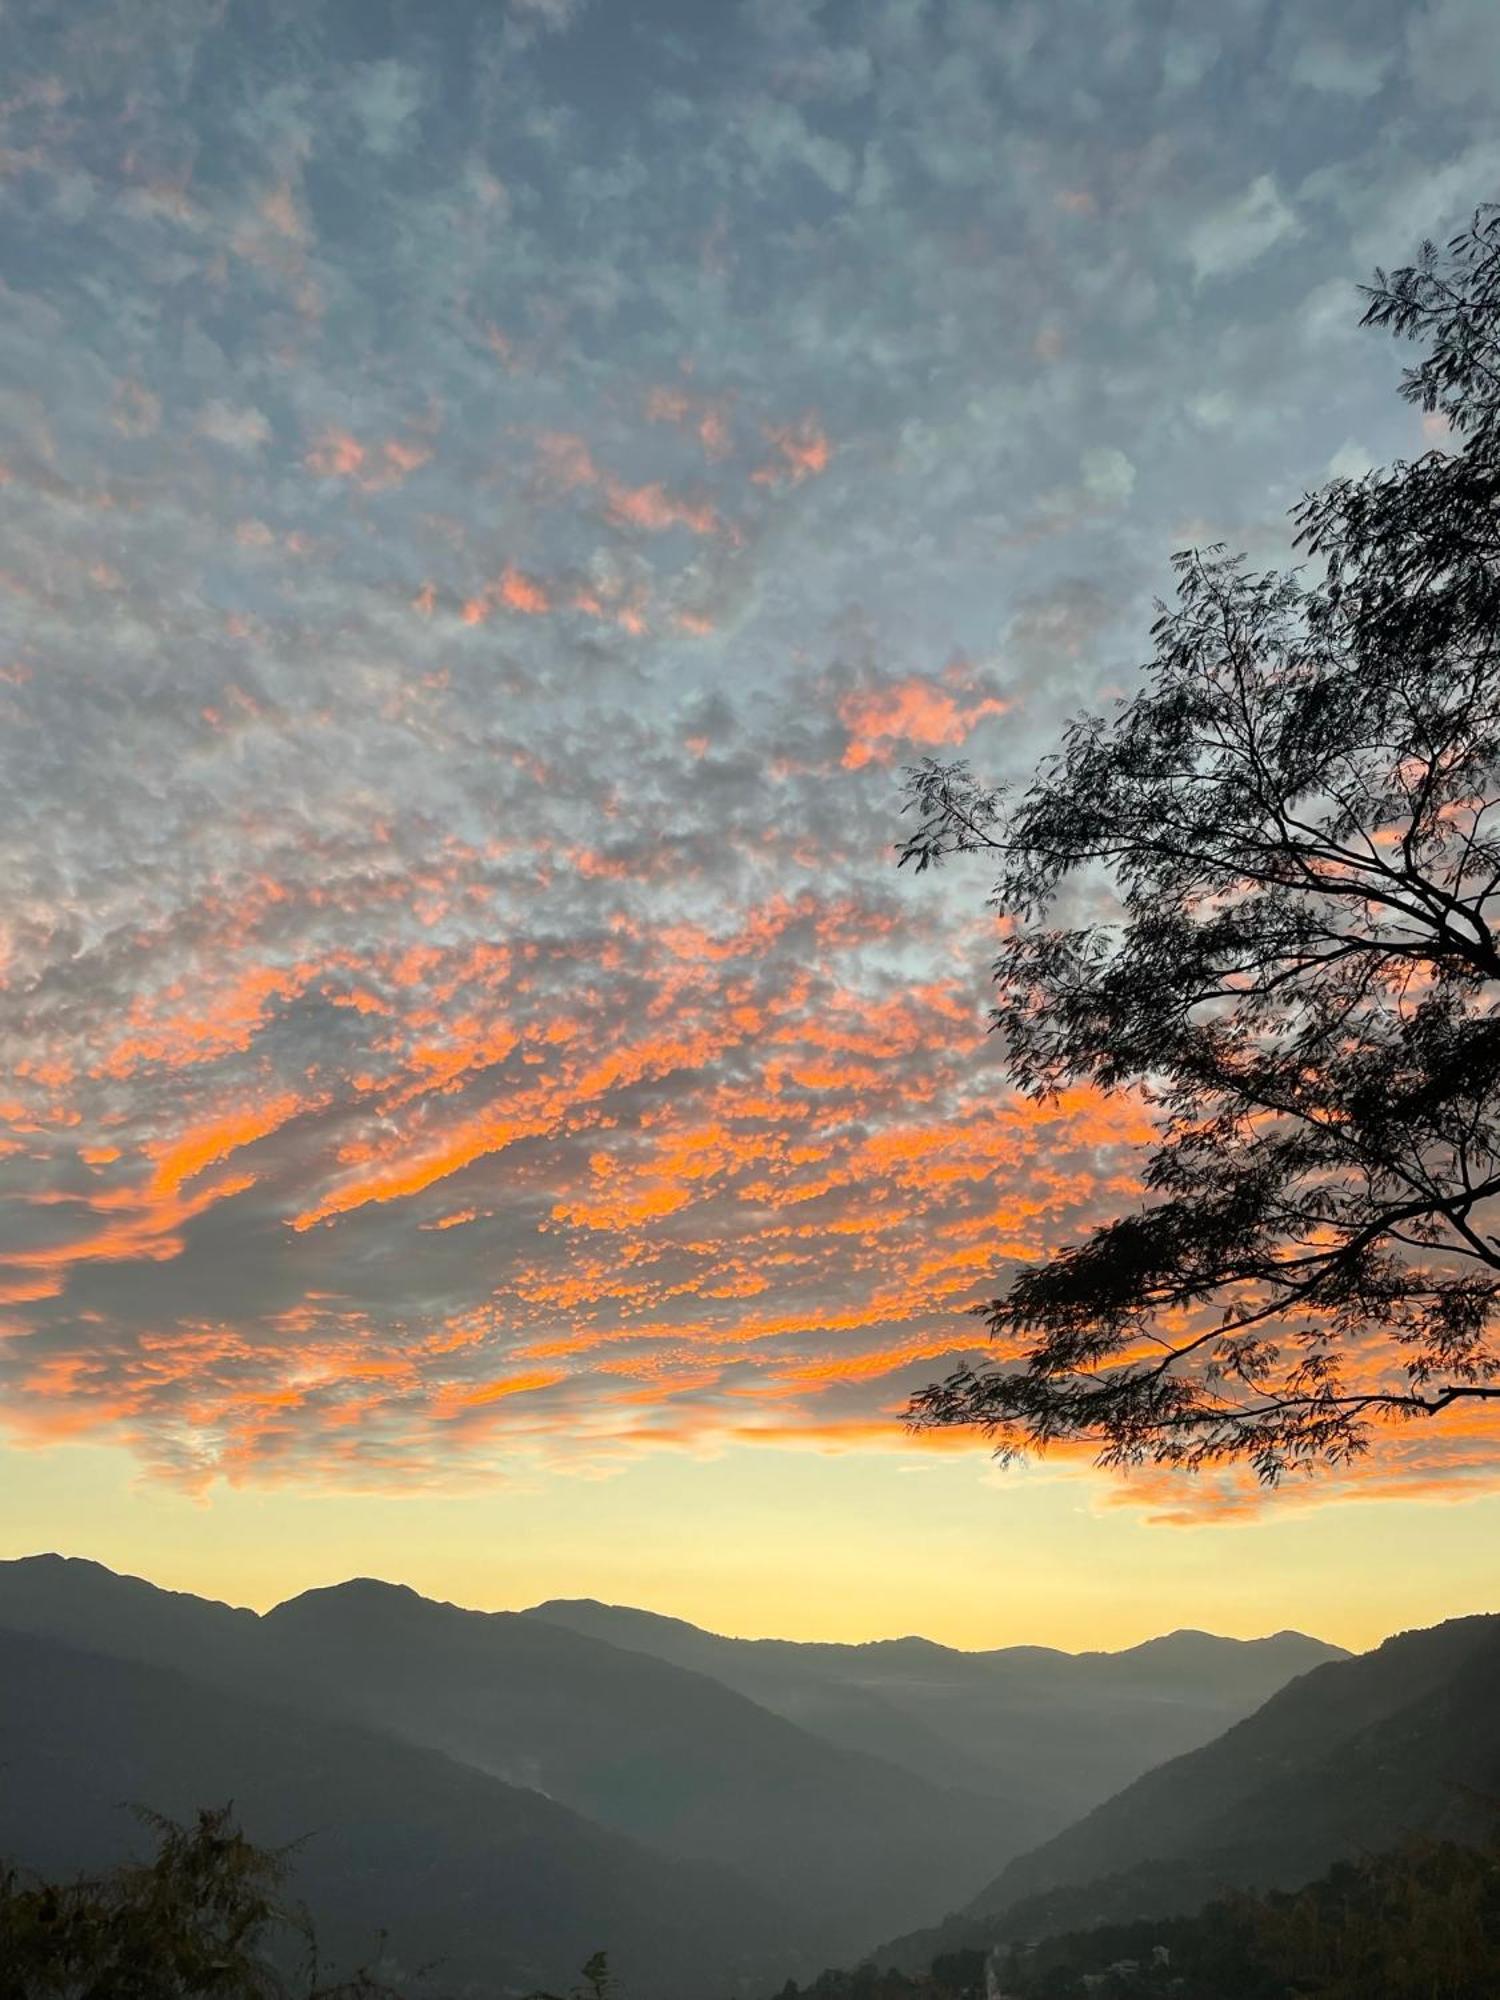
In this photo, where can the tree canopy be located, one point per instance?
(1293, 833)
(205, 1916)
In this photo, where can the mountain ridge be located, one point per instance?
(635, 1745)
(492, 1879)
(1064, 1730)
(833, 1781)
(550, 1607)
(1354, 1756)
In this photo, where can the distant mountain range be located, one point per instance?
(1059, 1731)
(1349, 1760)
(512, 1791)
(644, 1748)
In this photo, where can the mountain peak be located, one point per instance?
(367, 1596)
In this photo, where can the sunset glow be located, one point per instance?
(482, 541)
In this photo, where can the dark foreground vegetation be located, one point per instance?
(208, 1915)
(1419, 1924)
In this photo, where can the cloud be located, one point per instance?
(373, 467)
(1350, 461)
(1340, 69)
(882, 722)
(236, 429)
(385, 97)
(1242, 231)
(481, 514)
(1453, 47)
(802, 451)
(779, 137)
(554, 14)
(1108, 475)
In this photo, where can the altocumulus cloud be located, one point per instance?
(491, 499)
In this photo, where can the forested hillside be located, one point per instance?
(1358, 1755)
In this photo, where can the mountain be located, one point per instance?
(1350, 1759)
(815, 1781)
(70, 1598)
(501, 1886)
(1065, 1731)
(850, 1843)
(669, 1756)
(1420, 1921)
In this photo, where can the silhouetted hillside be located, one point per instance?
(645, 1747)
(505, 1887)
(853, 1844)
(1420, 1923)
(1353, 1758)
(1065, 1730)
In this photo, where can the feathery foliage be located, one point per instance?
(1295, 825)
(205, 1916)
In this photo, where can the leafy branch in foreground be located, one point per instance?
(1296, 826)
(205, 1916)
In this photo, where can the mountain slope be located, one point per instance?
(503, 1886)
(668, 1755)
(853, 1844)
(1063, 1730)
(82, 1602)
(1352, 1758)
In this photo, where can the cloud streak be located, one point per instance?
(485, 523)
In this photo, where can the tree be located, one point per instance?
(598, 1983)
(204, 1917)
(1294, 828)
(1421, 1923)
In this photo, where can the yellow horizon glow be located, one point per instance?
(769, 1542)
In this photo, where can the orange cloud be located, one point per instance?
(464, 1399)
(701, 416)
(802, 452)
(148, 1230)
(513, 590)
(336, 454)
(23, 1291)
(653, 508)
(471, 1140)
(739, 1173)
(523, 593)
(191, 1153)
(881, 720)
(143, 1221)
(175, 1030)
(568, 464)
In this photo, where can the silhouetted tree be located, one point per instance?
(1297, 822)
(206, 1916)
(598, 1983)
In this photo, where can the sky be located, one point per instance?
(493, 496)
